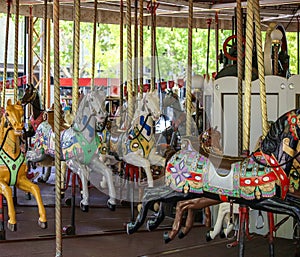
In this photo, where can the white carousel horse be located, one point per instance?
(13, 169)
(137, 145)
(174, 110)
(260, 181)
(79, 144)
(227, 213)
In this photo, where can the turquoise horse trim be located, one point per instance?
(13, 165)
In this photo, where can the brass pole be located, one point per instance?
(261, 69)
(57, 114)
(45, 44)
(129, 63)
(16, 59)
(75, 86)
(240, 73)
(94, 43)
(248, 77)
(189, 71)
(141, 20)
(5, 53)
(121, 52)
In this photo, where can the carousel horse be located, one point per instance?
(32, 96)
(260, 181)
(137, 146)
(173, 109)
(79, 144)
(13, 168)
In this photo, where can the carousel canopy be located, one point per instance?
(170, 13)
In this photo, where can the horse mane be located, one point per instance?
(80, 110)
(278, 130)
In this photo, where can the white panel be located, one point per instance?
(230, 120)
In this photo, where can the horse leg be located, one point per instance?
(84, 203)
(188, 223)
(277, 205)
(137, 160)
(83, 173)
(7, 192)
(223, 209)
(159, 217)
(26, 185)
(100, 167)
(152, 195)
(196, 203)
(156, 159)
(180, 209)
(46, 175)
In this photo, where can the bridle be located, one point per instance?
(31, 100)
(93, 114)
(274, 166)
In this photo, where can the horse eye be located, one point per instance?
(295, 175)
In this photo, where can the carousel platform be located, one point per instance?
(100, 233)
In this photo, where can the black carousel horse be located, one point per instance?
(260, 181)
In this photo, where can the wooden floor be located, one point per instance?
(101, 233)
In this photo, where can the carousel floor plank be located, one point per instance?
(101, 233)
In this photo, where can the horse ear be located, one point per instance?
(19, 102)
(9, 102)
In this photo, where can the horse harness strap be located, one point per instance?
(277, 174)
(36, 122)
(12, 165)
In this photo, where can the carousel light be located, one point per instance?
(282, 86)
(276, 36)
(197, 82)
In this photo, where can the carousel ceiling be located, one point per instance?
(170, 13)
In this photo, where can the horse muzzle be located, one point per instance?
(18, 132)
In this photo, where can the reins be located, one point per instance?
(275, 166)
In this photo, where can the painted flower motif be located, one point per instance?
(180, 172)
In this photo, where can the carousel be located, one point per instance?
(162, 167)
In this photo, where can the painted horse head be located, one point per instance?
(151, 104)
(92, 105)
(13, 117)
(31, 96)
(282, 139)
(172, 100)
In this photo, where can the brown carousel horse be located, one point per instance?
(13, 168)
(259, 181)
(39, 115)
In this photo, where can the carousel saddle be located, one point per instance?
(222, 162)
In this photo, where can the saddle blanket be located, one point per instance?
(189, 171)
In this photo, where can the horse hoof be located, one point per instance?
(208, 237)
(111, 206)
(130, 228)
(27, 196)
(167, 239)
(181, 235)
(42, 225)
(12, 227)
(41, 180)
(84, 207)
(151, 225)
